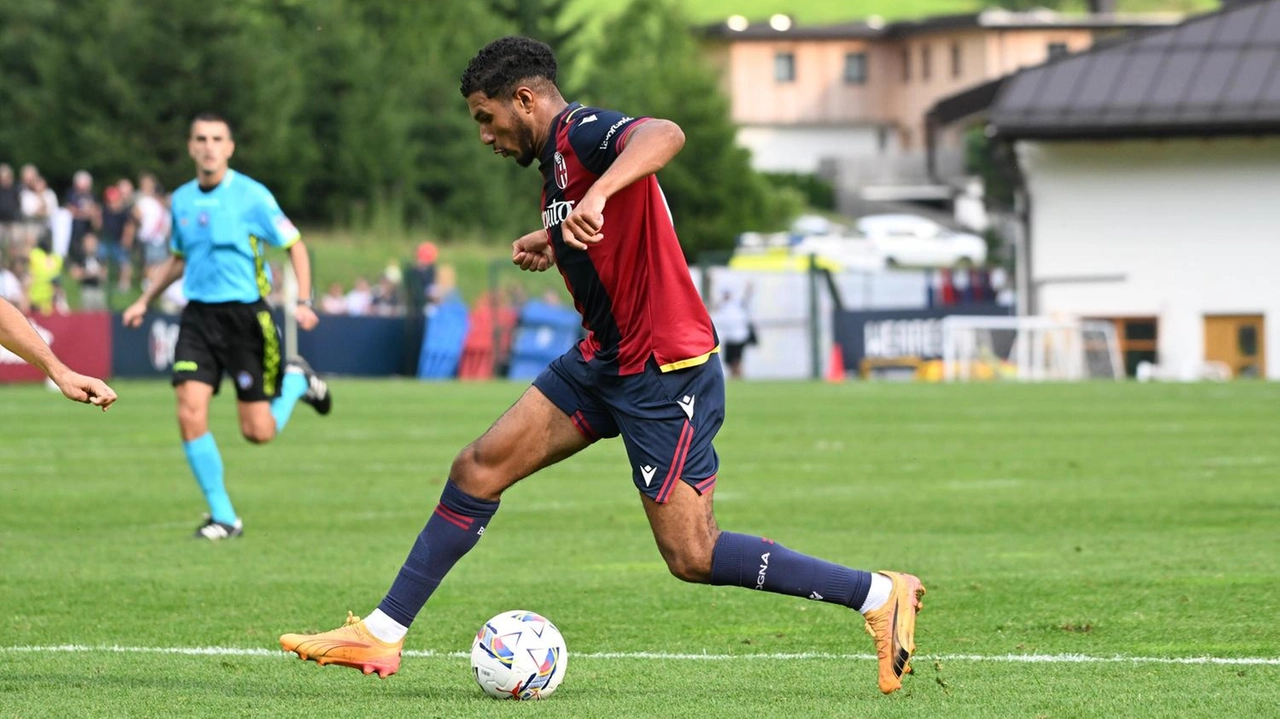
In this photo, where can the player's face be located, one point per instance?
(503, 127)
(210, 146)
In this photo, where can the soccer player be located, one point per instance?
(220, 221)
(648, 371)
(18, 336)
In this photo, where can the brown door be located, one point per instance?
(1237, 341)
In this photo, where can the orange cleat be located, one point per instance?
(350, 645)
(893, 626)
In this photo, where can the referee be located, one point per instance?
(221, 222)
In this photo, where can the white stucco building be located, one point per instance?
(1150, 171)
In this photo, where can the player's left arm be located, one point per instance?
(301, 260)
(278, 231)
(650, 145)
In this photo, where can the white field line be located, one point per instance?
(671, 656)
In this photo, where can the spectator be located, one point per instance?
(10, 208)
(46, 268)
(38, 206)
(445, 287)
(334, 301)
(117, 236)
(12, 287)
(91, 274)
(393, 272)
(422, 277)
(386, 298)
(733, 325)
(360, 298)
(85, 214)
(151, 222)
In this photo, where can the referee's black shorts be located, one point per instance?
(235, 338)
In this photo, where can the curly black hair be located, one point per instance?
(503, 63)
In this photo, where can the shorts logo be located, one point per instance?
(686, 404)
(647, 472)
(244, 380)
(562, 172)
(185, 366)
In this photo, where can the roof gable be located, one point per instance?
(1214, 74)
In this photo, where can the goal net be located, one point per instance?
(1028, 349)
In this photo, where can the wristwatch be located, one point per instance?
(307, 303)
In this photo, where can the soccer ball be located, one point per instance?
(519, 655)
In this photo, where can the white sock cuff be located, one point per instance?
(384, 628)
(881, 589)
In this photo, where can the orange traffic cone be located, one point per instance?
(835, 365)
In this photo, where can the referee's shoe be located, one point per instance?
(317, 389)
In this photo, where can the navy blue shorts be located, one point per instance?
(667, 419)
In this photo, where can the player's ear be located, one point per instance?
(524, 98)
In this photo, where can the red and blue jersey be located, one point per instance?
(633, 289)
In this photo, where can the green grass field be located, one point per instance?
(1090, 550)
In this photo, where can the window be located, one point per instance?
(955, 60)
(906, 64)
(784, 67)
(926, 58)
(1057, 50)
(1247, 340)
(1138, 341)
(855, 68)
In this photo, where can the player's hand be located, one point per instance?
(306, 317)
(134, 313)
(533, 252)
(585, 224)
(89, 390)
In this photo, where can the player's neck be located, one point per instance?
(546, 120)
(210, 180)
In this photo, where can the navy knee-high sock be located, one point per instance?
(453, 529)
(759, 563)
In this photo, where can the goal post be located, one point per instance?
(1028, 349)
(289, 297)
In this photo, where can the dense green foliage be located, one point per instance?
(653, 34)
(1077, 522)
(348, 109)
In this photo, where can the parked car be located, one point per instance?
(844, 252)
(914, 241)
(876, 242)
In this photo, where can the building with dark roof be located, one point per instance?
(849, 99)
(1149, 175)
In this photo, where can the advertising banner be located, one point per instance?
(897, 339)
(362, 346)
(82, 341)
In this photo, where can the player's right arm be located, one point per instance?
(161, 277)
(620, 150)
(532, 252)
(17, 335)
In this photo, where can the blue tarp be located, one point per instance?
(442, 346)
(545, 331)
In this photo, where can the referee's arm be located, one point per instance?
(162, 276)
(301, 260)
